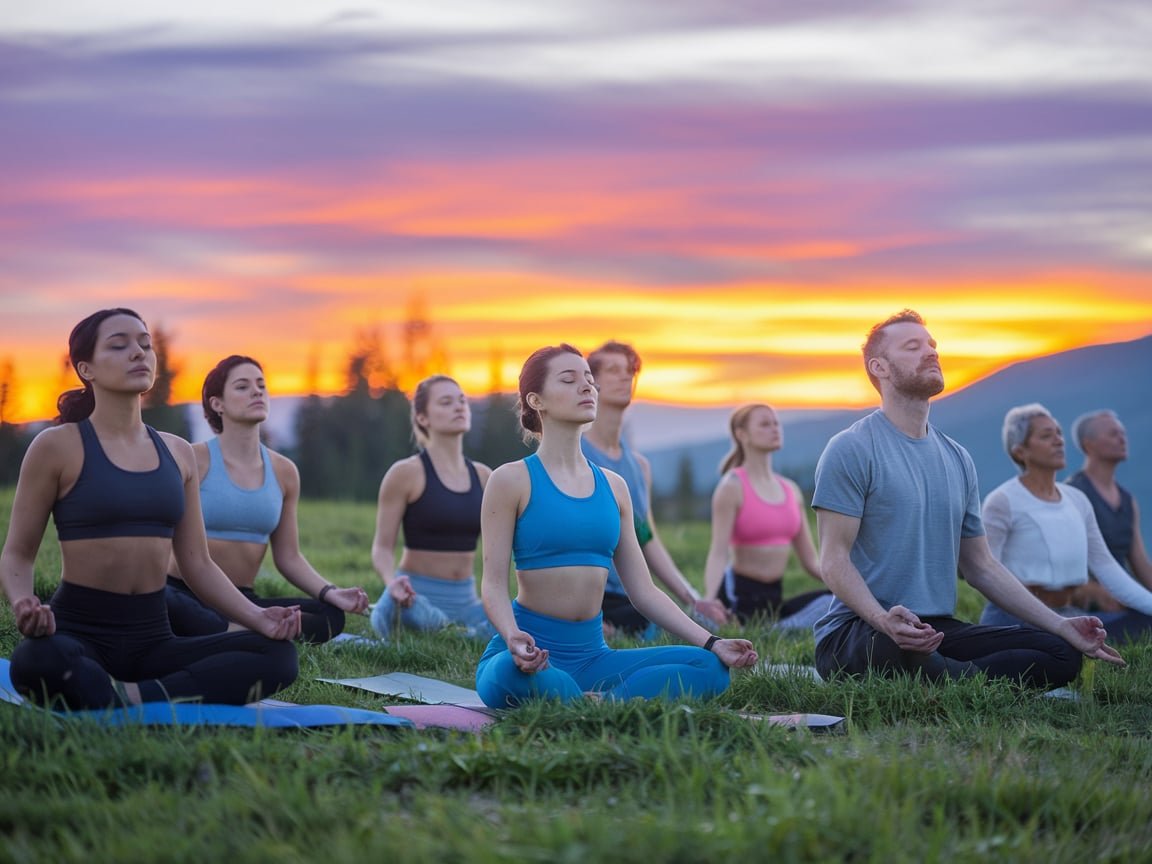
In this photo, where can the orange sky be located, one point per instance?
(701, 346)
(739, 190)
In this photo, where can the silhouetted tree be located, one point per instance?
(684, 504)
(346, 443)
(495, 436)
(158, 410)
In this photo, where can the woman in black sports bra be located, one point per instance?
(124, 498)
(435, 495)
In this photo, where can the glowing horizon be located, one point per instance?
(739, 192)
(817, 368)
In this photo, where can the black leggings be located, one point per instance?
(319, 621)
(1032, 657)
(621, 614)
(101, 635)
(751, 597)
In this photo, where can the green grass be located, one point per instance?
(970, 771)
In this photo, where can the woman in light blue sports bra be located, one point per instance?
(249, 495)
(564, 520)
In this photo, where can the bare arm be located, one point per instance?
(653, 603)
(1138, 554)
(802, 543)
(502, 496)
(36, 492)
(726, 501)
(988, 576)
(660, 563)
(837, 534)
(286, 554)
(397, 490)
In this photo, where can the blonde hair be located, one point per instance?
(420, 405)
(738, 420)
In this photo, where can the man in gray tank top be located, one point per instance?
(1103, 440)
(898, 514)
(615, 365)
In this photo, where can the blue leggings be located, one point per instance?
(439, 603)
(579, 660)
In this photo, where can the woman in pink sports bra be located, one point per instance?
(757, 521)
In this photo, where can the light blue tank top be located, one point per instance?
(627, 467)
(557, 530)
(233, 513)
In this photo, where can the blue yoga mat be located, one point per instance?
(278, 716)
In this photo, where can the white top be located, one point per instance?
(1055, 544)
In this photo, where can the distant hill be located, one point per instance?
(1115, 376)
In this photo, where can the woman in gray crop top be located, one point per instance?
(435, 495)
(125, 500)
(249, 496)
(565, 520)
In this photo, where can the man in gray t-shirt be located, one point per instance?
(898, 513)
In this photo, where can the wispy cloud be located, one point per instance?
(682, 175)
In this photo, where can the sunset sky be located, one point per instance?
(740, 189)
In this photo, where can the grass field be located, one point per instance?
(969, 771)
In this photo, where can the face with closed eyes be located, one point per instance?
(762, 430)
(1043, 449)
(615, 378)
(569, 393)
(908, 360)
(1107, 440)
(245, 396)
(123, 359)
(447, 411)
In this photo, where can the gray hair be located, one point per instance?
(1017, 425)
(1082, 426)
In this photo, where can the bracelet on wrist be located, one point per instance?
(324, 591)
(712, 640)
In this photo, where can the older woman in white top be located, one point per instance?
(1046, 533)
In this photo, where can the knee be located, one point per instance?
(282, 667)
(718, 676)
(1064, 666)
(494, 675)
(381, 617)
(716, 682)
(322, 625)
(41, 664)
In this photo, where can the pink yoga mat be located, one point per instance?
(442, 716)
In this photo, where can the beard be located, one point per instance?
(924, 383)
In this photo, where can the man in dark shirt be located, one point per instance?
(1101, 437)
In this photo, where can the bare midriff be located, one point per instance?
(567, 593)
(761, 563)
(123, 565)
(454, 566)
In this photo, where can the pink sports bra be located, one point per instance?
(760, 523)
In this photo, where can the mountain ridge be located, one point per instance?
(1069, 383)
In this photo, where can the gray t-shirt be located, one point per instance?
(915, 498)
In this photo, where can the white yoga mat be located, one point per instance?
(430, 691)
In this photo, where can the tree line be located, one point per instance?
(344, 443)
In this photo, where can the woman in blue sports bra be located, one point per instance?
(249, 497)
(435, 495)
(124, 498)
(564, 520)
(758, 521)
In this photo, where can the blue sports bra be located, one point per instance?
(557, 530)
(107, 501)
(441, 519)
(234, 513)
